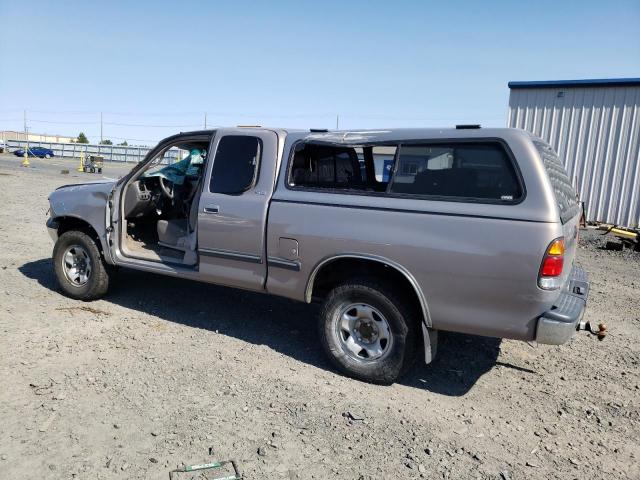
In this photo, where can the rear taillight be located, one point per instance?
(552, 264)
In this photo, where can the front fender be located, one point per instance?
(86, 203)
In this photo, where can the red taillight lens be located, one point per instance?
(552, 265)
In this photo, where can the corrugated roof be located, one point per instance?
(586, 83)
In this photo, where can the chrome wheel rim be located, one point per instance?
(76, 265)
(363, 332)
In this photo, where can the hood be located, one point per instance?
(99, 183)
(82, 200)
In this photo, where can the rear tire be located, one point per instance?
(80, 270)
(370, 308)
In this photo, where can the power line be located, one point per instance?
(152, 126)
(62, 123)
(175, 114)
(112, 113)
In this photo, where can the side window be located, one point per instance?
(319, 166)
(383, 159)
(563, 190)
(466, 170)
(338, 168)
(235, 164)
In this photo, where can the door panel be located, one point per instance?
(231, 225)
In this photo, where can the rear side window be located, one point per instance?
(480, 171)
(318, 166)
(235, 164)
(565, 194)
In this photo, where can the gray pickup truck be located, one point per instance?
(399, 233)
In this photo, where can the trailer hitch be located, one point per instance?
(601, 331)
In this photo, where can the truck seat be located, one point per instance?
(175, 233)
(172, 233)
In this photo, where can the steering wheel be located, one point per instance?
(167, 187)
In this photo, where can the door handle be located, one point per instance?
(212, 209)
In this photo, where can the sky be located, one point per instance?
(154, 68)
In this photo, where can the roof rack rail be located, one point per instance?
(248, 126)
(319, 130)
(468, 126)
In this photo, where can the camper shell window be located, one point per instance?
(456, 170)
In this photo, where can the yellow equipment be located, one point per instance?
(25, 162)
(628, 236)
(92, 163)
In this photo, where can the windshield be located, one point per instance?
(176, 172)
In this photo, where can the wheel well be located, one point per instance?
(341, 269)
(66, 224)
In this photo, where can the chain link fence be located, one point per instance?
(111, 153)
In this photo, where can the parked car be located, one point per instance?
(470, 230)
(40, 152)
(3, 147)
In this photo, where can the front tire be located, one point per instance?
(80, 270)
(369, 331)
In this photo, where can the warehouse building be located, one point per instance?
(6, 135)
(594, 125)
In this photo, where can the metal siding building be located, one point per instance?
(594, 125)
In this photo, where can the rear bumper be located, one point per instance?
(559, 325)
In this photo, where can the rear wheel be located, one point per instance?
(79, 267)
(369, 331)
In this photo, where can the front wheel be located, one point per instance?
(369, 331)
(79, 268)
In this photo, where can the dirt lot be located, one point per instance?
(163, 369)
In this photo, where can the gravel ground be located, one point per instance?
(163, 369)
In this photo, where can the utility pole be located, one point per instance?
(25, 162)
(100, 127)
(337, 122)
(205, 120)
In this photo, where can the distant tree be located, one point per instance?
(82, 138)
(124, 144)
(106, 142)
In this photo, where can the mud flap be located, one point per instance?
(430, 338)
